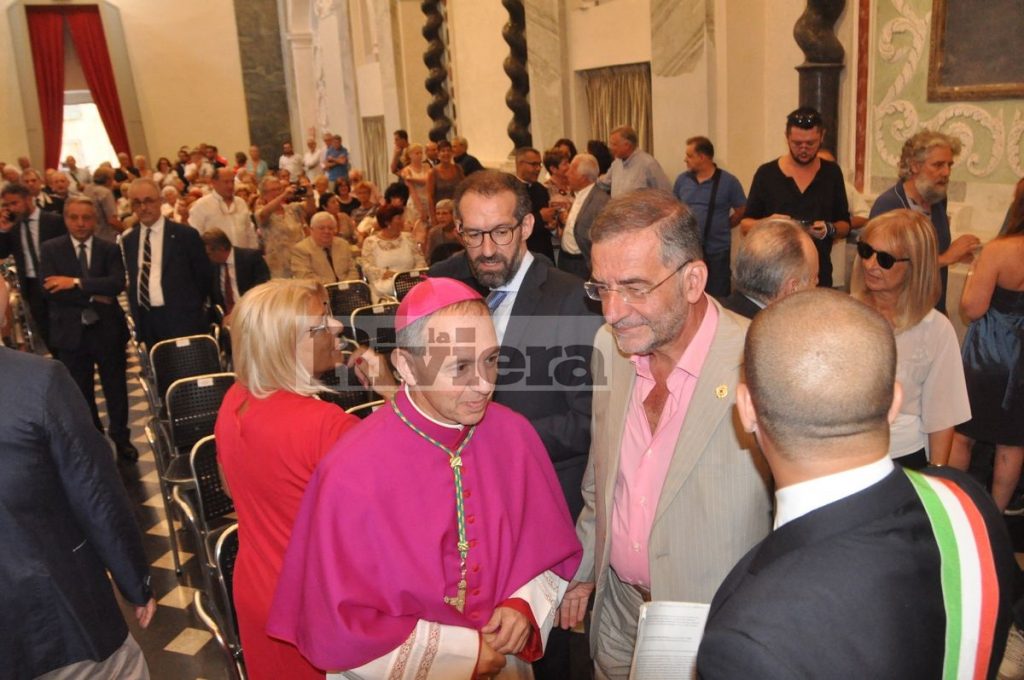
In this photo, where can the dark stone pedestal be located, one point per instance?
(819, 88)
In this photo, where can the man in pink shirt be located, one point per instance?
(675, 492)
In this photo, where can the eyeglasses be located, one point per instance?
(630, 294)
(805, 120)
(323, 326)
(885, 260)
(500, 236)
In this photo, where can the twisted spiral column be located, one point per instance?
(437, 73)
(517, 97)
(823, 54)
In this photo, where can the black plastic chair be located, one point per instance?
(343, 389)
(213, 504)
(159, 444)
(346, 296)
(363, 410)
(183, 357)
(374, 325)
(192, 405)
(404, 281)
(216, 608)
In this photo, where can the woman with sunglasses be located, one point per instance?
(897, 273)
(993, 299)
(271, 433)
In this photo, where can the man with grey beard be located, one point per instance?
(925, 166)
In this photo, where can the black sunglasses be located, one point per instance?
(804, 120)
(884, 259)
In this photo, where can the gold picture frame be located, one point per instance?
(969, 74)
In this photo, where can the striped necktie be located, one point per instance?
(147, 263)
(495, 298)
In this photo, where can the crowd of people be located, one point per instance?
(592, 405)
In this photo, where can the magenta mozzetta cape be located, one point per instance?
(374, 547)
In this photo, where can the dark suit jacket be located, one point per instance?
(185, 276)
(250, 269)
(50, 226)
(540, 237)
(59, 257)
(739, 303)
(850, 590)
(551, 332)
(65, 519)
(591, 208)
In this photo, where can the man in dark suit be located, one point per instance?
(590, 200)
(545, 328)
(528, 164)
(169, 275)
(856, 580)
(83, 276)
(235, 270)
(777, 258)
(65, 521)
(23, 230)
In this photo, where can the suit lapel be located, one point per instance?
(526, 303)
(623, 376)
(706, 409)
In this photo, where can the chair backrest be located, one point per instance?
(214, 503)
(224, 555)
(156, 437)
(404, 281)
(374, 325)
(363, 410)
(346, 296)
(184, 357)
(344, 389)
(192, 405)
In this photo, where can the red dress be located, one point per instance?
(268, 454)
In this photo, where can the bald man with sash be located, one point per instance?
(871, 571)
(434, 540)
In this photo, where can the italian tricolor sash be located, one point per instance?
(970, 590)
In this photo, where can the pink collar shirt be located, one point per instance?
(645, 457)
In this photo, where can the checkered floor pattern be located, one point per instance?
(177, 646)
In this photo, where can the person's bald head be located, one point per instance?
(223, 182)
(820, 369)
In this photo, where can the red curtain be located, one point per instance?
(46, 33)
(91, 45)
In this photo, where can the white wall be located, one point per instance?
(480, 83)
(186, 69)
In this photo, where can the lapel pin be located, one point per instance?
(722, 391)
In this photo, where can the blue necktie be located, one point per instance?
(494, 299)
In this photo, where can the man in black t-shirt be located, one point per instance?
(803, 187)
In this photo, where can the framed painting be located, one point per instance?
(974, 50)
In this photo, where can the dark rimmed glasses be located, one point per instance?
(500, 236)
(629, 294)
(885, 260)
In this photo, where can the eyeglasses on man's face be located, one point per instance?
(885, 260)
(628, 294)
(500, 236)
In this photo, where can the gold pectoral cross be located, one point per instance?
(459, 601)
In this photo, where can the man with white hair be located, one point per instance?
(322, 255)
(633, 168)
(589, 200)
(777, 258)
(312, 159)
(170, 195)
(222, 209)
(926, 162)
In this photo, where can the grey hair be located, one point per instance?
(587, 166)
(652, 209)
(627, 133)
(413, 338)
(916, 149)
(80, 200)
(322, 216)
(769, 255)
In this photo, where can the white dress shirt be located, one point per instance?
(311, 160)
(797, 500)
(503, 313)
(156, 247)
(293, 164)
(569, 243)
(233, 219)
